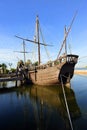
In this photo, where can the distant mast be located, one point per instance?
(24, 52)
(37, 38)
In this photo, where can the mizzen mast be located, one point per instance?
(24, 52)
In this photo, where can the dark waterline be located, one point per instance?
(43, 108)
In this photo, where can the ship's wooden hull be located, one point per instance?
(52, 75)
(45, 76)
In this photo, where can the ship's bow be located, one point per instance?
(67, 70)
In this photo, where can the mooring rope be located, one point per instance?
(67, 108)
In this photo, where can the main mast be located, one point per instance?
(35, 41)
(38, 40)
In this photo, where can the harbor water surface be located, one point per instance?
(43, 108)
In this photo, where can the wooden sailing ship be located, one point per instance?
(52, 72)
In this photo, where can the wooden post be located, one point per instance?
(16, 83)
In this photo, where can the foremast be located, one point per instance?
(66, 32)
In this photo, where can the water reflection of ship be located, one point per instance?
(46, 100)
(53, 99)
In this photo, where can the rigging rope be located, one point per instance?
(67, 108)
(34, 53)
(44, 46)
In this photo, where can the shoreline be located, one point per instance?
(80, 72)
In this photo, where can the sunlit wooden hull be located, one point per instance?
(47, 76)
(52, 75)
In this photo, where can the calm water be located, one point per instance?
(43, 108)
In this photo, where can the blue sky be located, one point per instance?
(17, 17)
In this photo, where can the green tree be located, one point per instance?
(20, 63)
(35, 63)
(13, 70)
(28, 62)
(4, 66)
(10, 64)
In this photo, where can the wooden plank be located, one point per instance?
(5, 79)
